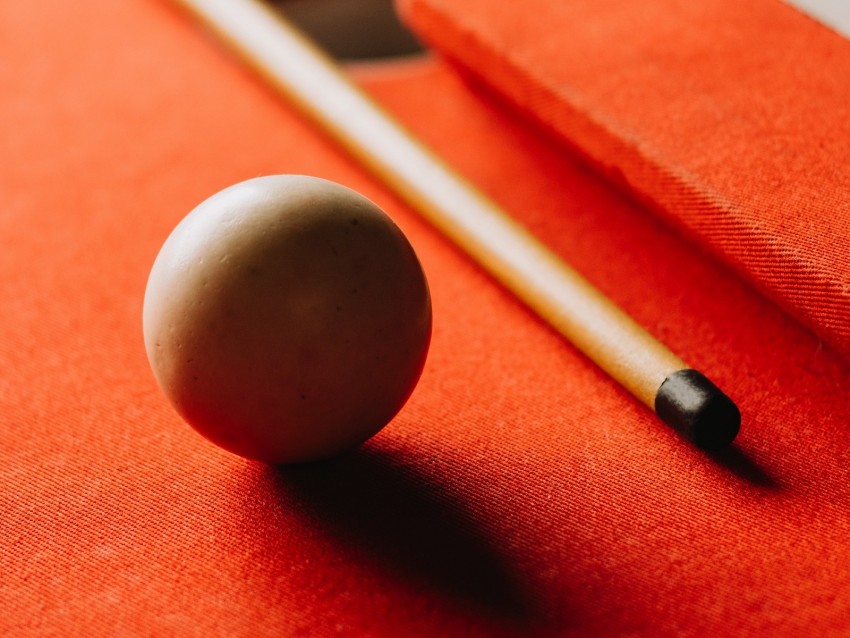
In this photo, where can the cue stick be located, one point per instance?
(312, 81)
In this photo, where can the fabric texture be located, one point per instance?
(730, 119)
(520, 492)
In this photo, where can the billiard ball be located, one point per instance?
(287, 318)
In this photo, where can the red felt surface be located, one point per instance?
(729, 118)
(520, 492)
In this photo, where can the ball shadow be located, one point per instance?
(383, 510)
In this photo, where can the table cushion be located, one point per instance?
(729, 119)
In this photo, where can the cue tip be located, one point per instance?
(698, 409)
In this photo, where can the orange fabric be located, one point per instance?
(730, 118)
(520, 492)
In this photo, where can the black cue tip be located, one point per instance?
(698, 409)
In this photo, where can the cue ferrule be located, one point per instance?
(698, 409)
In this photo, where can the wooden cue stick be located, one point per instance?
(307, 77)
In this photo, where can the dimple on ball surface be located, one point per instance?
(287, 319)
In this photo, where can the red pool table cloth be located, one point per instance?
(520, 492)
